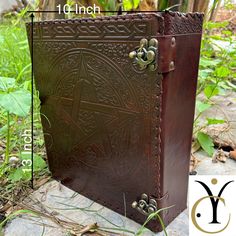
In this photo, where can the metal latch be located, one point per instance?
(145, 205)
(145, 56)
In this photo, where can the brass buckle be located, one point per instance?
(145, 205)
(145, 55)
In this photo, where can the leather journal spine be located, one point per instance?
(177, 113)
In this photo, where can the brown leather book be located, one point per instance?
(117, 97)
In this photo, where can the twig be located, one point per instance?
(61, 223)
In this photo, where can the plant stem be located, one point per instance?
(8, 139)
(197, 117)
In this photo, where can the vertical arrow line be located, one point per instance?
(32, 102)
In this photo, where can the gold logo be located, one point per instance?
(214, 200)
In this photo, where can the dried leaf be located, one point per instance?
(195, 146)
(214, 160)
(5, 207)
(193, 163)
(147, 5)
(42, 181)
(88, 229)
(221, 134)
(220, 155)
(232, 155)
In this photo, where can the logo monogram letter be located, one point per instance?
(214, 201)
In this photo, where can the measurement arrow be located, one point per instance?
(32, 100)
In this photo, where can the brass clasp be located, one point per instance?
(145, 55)
(145, 205)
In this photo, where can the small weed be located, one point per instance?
(217, 73)
(15, 103)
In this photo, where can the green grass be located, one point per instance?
(15, 62)
(14, 51)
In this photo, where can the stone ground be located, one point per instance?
(70, 206)
(67, 205)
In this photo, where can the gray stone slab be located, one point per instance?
(73, 207)
(207, 167)
(33, 226)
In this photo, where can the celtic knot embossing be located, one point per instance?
(106, 27)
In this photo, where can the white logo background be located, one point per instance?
(204, 211)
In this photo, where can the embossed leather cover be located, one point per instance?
(113, 131)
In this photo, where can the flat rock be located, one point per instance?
(206, 166)
(72, 207)
(67, 205)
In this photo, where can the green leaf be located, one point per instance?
(6, 83)
(128, 5)
(205, 62)
(222, 72)
(17, 102)
(136, 3)
(211, 90)
(213, 121)
(213, 25)
(25, 155)
(18, 174)
(227, 32)
(206, 143)
(201, 107)
(216, 37)
(39, 163)
(205, 73)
